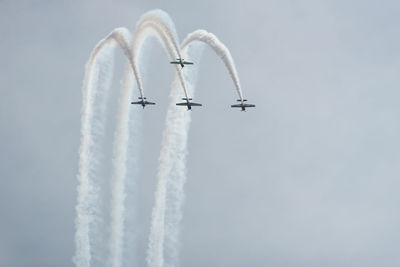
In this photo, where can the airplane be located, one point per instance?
(188, 103)
(143, 102)
(181, 62)
(242, 105)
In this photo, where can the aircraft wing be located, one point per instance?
(143, 103)
(244, 105)
(191, 104)
(175, 62)
(188, 63)
(236, 106)
(249, 105)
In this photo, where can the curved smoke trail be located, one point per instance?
(220, 49)
(171, 175)
(158, 23)
(154, 23)
(172, 166)
(97, 82)
(162, 21)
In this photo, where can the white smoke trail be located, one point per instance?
(220, 49)
(129, 241)
(92, 126)
(162, 22)
(157, 23)
(166, 216)
(172, 136)
(177, 176)
(163, 241)
(126, 139)
(172, 166)
(123, 37)
(97, 82)
(154, 23)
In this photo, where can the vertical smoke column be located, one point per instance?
(154, 23)
(157, 23)
(163, 241)
(172, 167)
(95, 90)
(125, 161)
(97, 82)
(177, 178)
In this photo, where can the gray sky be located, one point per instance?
(308, 178)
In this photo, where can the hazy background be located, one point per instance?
(308, 178)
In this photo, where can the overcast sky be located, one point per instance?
(308, 178)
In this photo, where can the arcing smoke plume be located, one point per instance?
(157, 23)
(172, 172)
(167, 212)
(219, 48)
(88, 214)
(154, 23)
(87, 210)
(95, 91)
